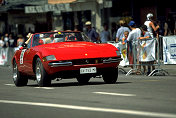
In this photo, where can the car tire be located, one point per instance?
(18, 78)
(42, 77)
(110, 76)
(83, 80)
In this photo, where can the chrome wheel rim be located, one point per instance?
(15, 70)
(38, 73)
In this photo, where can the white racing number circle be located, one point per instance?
(22, 56)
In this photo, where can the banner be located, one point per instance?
(3, 56)
(147, 50)
(123, 51)
(169, 50)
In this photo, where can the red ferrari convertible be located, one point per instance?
(52, 55)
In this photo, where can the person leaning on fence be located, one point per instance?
(124, 49)
(124, 39)
(121, 30)
(144, 54)
(133, 44)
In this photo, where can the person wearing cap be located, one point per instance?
(91, 33)
(121, 30)
(133, 43)
(134, 34)
(150, 25)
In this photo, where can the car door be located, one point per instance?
(26, 59)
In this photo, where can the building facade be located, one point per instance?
(23, 16)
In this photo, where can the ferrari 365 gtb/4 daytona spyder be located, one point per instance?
(52, 55)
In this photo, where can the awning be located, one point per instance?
(60, 1)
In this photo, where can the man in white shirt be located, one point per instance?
(134, 34)
(133, 42)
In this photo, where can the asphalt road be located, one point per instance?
(133, 96)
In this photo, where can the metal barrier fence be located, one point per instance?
(157, 58)
(159, 51)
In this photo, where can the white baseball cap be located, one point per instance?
(149, 15)
(88, 23)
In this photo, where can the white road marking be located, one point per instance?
(9, 84)
(97, 109)
(45, 87)
(115, 94)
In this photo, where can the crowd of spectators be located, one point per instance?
(8, 40)
(131, 34)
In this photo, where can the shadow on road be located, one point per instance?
(69, 84)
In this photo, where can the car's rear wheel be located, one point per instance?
(110, 76)
(83, 79)
(42, 77)
(18, 78)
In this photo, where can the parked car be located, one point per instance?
(52, 55)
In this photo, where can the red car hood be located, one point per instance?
(77, 50)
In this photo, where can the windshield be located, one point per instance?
(55, 37)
